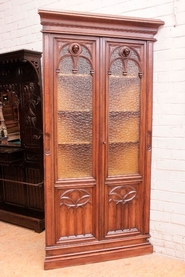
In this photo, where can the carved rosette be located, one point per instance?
(122, 194)
(75, 198)
(75, 49)
(124, 52)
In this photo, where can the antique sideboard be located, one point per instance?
(21, 140)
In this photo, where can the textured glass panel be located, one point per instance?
(74, 118)
(65, 49)
(74, 160)
(74, 90)
(74, 127)
(123, 158)
(123, 127)
(124, 119)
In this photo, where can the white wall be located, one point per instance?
(20, 28)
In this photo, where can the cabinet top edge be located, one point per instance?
(19, 54)
(99, 18)
(70, 22)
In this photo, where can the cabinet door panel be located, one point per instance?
(123, 209)
(76, 144)
(74, 217)
(124, 153)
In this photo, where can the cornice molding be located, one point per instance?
(96, 24)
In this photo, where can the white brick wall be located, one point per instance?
(20, 28)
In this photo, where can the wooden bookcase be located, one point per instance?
(97, 134)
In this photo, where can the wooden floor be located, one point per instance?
(22, 255)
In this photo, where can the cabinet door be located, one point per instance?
(123, 138)
(76, 137)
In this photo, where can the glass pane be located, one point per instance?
(74, 160)
(124, 119)
(74, 117)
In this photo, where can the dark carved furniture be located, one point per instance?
(98, 92)
(21, 148)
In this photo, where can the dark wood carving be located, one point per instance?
(21, 161)
(126, 54)
(75, 50)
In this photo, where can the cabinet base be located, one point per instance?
(33, 221)
(97, 256)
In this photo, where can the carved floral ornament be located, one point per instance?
(31, 106)
(122, 194)
(35, 64)
(75, 198)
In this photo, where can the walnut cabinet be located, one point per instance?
(97, 136)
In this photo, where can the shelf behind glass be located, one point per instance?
(74, 92)
(71, 143)
(74, 127)
(74, 161)
(123, 128)
(65, 111)
(74, 75)
(123, 158)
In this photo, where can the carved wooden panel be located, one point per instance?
(14, 193)
(74, 218)
(35, 193)
(31, 101)
(126, 54)
(123, 209)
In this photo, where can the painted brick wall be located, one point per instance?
(20, 28)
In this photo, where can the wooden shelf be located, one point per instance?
(124, 142)
(68, 75)
(70, 143)
(123, 76)
(124, 113)
(63, 112)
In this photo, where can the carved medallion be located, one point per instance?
(75, 49)
(125, 52)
